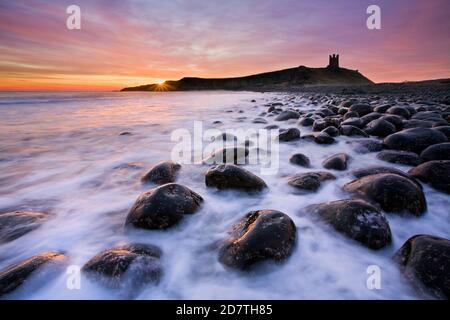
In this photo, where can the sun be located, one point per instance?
(161, 82)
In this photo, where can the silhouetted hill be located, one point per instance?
(276, 80)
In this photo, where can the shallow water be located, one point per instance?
(62, 153)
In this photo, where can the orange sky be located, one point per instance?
(127, 43)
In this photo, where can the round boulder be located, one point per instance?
(392, 192)
(287, 115)
(15, 224)
(309, 181)
(356, 219)
(436, 173)
(229, 176)
(400, 157)
(336, 162)
(425, 261)
(128, 266)
(289, 134)
(300, 160)
(440, 151)
(261, 235)
(414, 140)
(162, 173)
(380, 128)
(163, 207)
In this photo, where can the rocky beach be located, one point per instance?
(87, 180)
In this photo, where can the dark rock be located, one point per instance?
(163, 207)
(356, 219)
(425, 260)
(306, 122)
(331, 131)
(259, 120)
(380, 128)
(359, 173)
(15, 224)
(260, 236)
(300, 160)
(356, 122)
(125, 133)
(162, 173)
(436, 173)
(392, 192)
(444, 129)
(319, 125)
(309, 181)
(287, 115)
(399, 111)
(395, 120)
(336, 162)
(370, 117)
(235, 155)
(350, 115)
(366, 145)
(230, 176)
(347, 130)
(271, 127)
(382, 109)
(440, 151)
(13, 277)
(361, 109)
(129, 266)
(400, 157)
(289, 135)
(323, 138)
(415, 140)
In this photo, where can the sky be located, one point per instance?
(127, 43)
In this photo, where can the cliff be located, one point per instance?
(276, 80)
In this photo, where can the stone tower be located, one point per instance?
(333, 62)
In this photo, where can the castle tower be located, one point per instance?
(333, 62)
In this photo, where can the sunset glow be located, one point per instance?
(130, 43)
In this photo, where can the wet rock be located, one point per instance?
(15, 224)
(392, 192)
(319, 125)
(13, 277)
(361, 109)
(306, 122)
(287, 115)
(230, 176)
(235, 155)
(370, 117)
(128, 266)
(395, 120)
(331, 131)
(356, 219)
(356, 122)
(309, 181)
(444, 129)
(336, 162)
(366, 145)
(359, 173)
(436, 173)
(400, 157)
(414, 140)
(271, 127)
(347, 130)
(350, 115)
(259, 120)
(440, 151)
(323, 138)
(264, 235)
(125, 133)
(163, 207)
(425, 261)
(162, 173)
(382, 109)
(399, 111)
(300, 160)
(380, 128)
(289, 135)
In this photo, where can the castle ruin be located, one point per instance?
(333, 62)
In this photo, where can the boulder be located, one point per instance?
(229, 176)
(128, 266)
(380, 128)
(287, 115)
(15, 224)
(13, 277)
(163, 207)
(331, 131)
(440, 151)
(162, 173)
(366, 145)
(336, 162)
(323, 138)
(356, 219)
(309, 181)
(289, 135)
(359, 173)
(392, 192)
(263, 235)
(361, 109)
(347, 130)
(425, 261)
(356, 122)
(400, 157)
(300, 160)
(399, 111)
(414, 140)
(235, 155)
(436, 173)
(306, 122)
